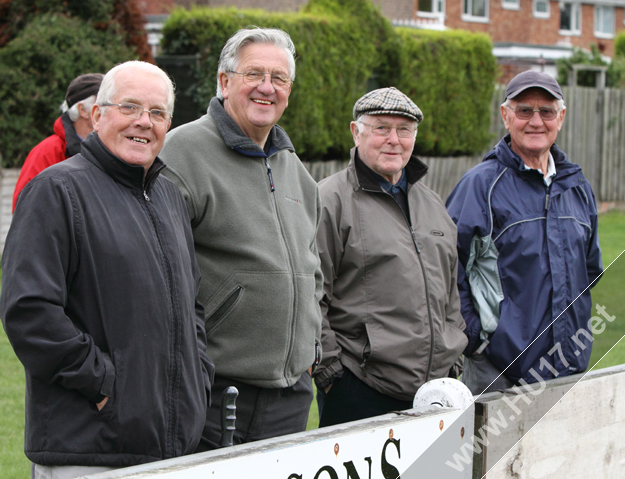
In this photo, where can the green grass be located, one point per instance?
(609, 293)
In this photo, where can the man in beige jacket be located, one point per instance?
(391, 311)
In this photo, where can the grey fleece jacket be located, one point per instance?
(254, 218)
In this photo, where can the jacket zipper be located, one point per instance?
(425, 281)
(290, 261)
(173, 370)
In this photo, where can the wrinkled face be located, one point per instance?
(256, 109)
(137, 142)
(386, 155)
(535, 136)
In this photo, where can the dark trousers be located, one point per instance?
(261, 412)
(349, 399)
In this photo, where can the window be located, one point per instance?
(604, 21)
(510, 4)
(475, 11)
(541, 8)
(570, 18)
(431, 6)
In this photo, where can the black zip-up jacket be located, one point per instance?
(98, 299)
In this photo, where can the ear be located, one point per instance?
(83, 112)
(504, 117)
(224, 81)
(561, 118)
(355, 133)
(96, 115)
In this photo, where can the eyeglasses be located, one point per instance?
(134, 111)
(525, 112)
(254, 79)
(385, 130)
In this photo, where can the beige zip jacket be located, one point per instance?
(391, 310)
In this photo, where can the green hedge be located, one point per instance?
(344, 49)
(451, 76)
(332, 68)
(35, 69)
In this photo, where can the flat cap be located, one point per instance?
(533, 79)
(82, 87)
(387, 101)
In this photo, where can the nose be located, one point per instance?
(266, 85)
(145, 115)
(536, 119)
(392, 136)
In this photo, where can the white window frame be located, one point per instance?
(467, 17)
(511, 4)
(576, 14)
(438, 10)
(599, 9)
(538, 14)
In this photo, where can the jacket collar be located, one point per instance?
(130, 176)
(72, 140)
(567, 174)
(234, 137)
(365, 178)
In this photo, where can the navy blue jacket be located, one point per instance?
(526, 252)
(99, 300)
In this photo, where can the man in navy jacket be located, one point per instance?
(99, 294)
(528, 248)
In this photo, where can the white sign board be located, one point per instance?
(377, 448)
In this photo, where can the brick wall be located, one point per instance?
(520, 26)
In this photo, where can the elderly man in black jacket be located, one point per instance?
(99, 294)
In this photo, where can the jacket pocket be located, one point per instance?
(223, 309)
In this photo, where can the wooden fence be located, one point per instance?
(593, 136)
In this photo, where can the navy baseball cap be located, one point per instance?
(533, 79)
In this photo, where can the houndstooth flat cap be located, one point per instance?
(387, 101)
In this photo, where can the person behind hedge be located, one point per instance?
(254, 212)
(99, 292)
(391, 311)
(528, 246)
(70, 129)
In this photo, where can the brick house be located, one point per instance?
(525, 33)
(529, 33)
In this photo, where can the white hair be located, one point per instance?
(229, 57)
(73, 112)
(108, 89)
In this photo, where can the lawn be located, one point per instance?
(609, 293)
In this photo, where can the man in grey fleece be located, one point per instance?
(254, 213)
(391, 310)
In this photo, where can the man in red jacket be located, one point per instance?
(70, 129)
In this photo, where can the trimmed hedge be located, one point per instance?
(332, 68)
(35, 69)
(451, 76)
(344, 49)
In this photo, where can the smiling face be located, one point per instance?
(256, 109)
(386, 155)
(136, 142)
(531, 139)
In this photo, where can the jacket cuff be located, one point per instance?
(108, 384)
(472, 332)
(324, 376)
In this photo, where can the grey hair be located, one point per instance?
(87, 104)
(229, 57)
(561, 105)
(361, 126)
(108, 89)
